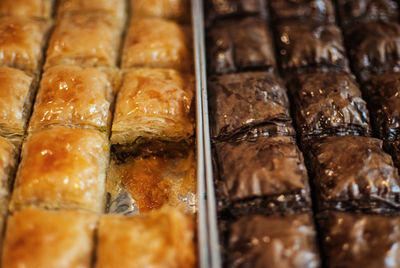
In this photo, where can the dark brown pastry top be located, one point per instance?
(311, 45)
(384, 96)
(374, 48)
(274, 241)
(393, 147)
(329, 104)
(237, 45)
(354, 173)
(316, 10)
(242, 101)
(266, 167)
(352, 12)
(360, 240)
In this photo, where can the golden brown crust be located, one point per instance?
(153, 103)
(16, 89)
(113, 7)
(62, 168)
(21, 42)
(84, 39)
(167, 9)
(49, 239)
(27, 8)
(73, 96)
(157, 43)
(163, 238)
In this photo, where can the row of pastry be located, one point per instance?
(262, 189)
(64, 179)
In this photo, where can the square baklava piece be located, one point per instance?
(250, 103)
(153, 105)
(240, 45)
(266, 175)
(354, 173)
(85, 39)
(157, 43)
(163, 238)
(166, 9)
(308, 46)
(62, 168)
(39, 238)
(73, 96)
(273, 241)
(27, 8)
(329, 104)
(360, 240)
(17, 89)
(21, 42)
(113, 7)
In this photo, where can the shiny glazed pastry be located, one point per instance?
(27, 8)
(89, 39)
(167, 9)
(354, 173)
(311, 46)
(113, 7)
(273, 241)
(237, 45)
(62, 168)
(315, 10)
(21, 42)
(265, 175)
(156, 43)
(357, 240)
(48, 239)
(16, 92)
(374, 48)
(73, 96)
(163, 238)
(244, 101)
(153, 104)
(329, 104)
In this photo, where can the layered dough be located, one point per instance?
(163, 238)
(85, 39)
(113, 7)
(49, 239)
(16, 91)
(153, 103)
(73, 96)
(27, 8)
(62, 168)
(157, 43)
(167, 9)
(21, 42)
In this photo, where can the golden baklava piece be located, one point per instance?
(62, 168)
(153, 104)
(48, 239)
(113, 7)
(16, 92)
(167, 9)
(156, 43)
(85, 39)
(21, 42)
(163, 238)
(73, 96)
(27, 8)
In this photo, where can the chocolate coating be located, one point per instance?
(263, 176)
(354, 173)
(274, 241)
(352, 12)
(316, 10)
(393, 147)
(357, 240)
(329, 104)
(374, 48)
(238, 45)
(244, 101)
(308, 45)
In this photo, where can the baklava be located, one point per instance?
(156, 43)
(49, 239)
(113, 7)
(62, 168)
(73, 96)
(27, 8)
(167, 9)
(163, 238)
(86, 39)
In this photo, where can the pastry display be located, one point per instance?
(167, 9)
(27, 8)
(117, 8)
